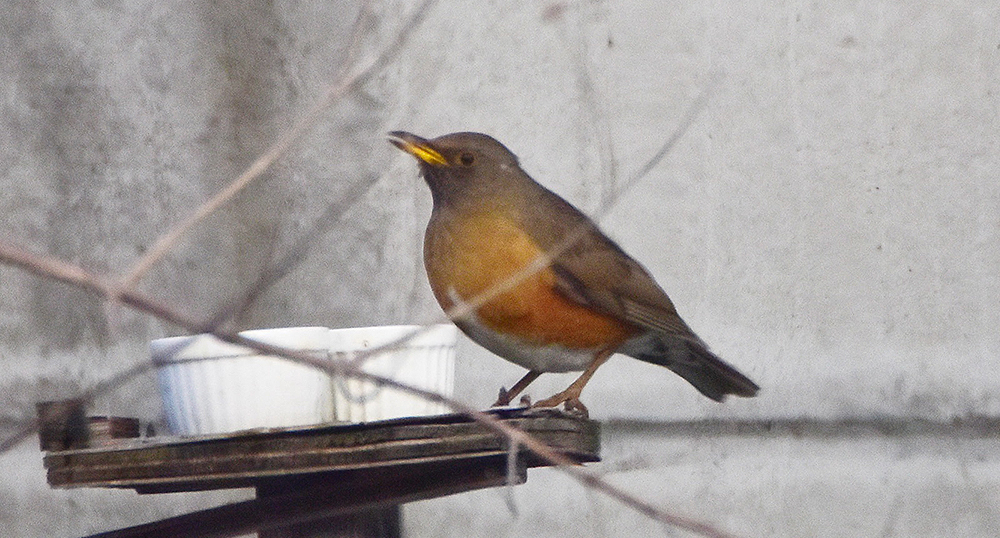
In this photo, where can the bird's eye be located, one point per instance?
(467, 159)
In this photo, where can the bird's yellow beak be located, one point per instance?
(418, 147)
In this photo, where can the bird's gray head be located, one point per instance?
(459, 162)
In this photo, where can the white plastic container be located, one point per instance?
(229, 388)
(427, 361)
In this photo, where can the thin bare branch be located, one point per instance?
(336, 90)
(89, 395)
(276, 269)
(48, 267)
(20, 435)
(463, 310)
(691, 114)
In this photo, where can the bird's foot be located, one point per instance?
(570, 400)
(505, 397)
(576, 407)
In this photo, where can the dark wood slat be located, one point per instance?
(292, 502)
(245, 459)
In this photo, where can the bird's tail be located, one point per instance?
(691, 360)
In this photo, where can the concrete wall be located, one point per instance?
(830, 223)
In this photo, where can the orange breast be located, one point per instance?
(467, 257)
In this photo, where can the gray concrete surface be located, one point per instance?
(830, 223)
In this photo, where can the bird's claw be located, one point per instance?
(571, 403)
(575, 406)
(503, 399)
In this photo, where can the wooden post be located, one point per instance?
(379, 522)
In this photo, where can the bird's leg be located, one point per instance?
(507, 395)
(571, 396)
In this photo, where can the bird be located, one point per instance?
(529, 277)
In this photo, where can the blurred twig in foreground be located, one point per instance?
(52, 268)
